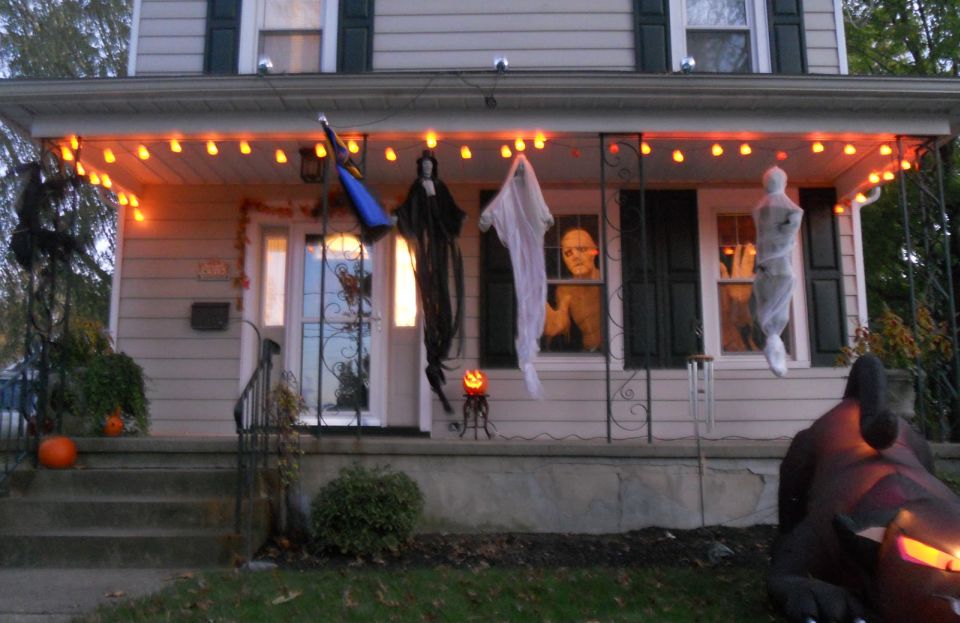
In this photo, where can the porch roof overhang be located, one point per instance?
(690, 111)
(456, 102)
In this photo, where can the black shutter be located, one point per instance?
(787, 46)
(662, 311)
(652, 20)
(824, 275)
(223, 37)
(498, 301)
(355, 41)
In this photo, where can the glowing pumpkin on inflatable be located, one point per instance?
(474, 383)
(114, 425)
(57, 452)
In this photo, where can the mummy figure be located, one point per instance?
(777, 220)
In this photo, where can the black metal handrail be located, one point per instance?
(251, 414)
(18, 407)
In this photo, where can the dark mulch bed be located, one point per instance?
(728, 547)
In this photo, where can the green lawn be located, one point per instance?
(445, 594)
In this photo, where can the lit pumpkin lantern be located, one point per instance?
(474, 383)
(57, 452)
(114, 425)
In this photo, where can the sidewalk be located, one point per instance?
(59, 595)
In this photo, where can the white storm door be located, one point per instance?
(335, 330)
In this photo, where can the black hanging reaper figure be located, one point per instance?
(430, 220)
(29, 231)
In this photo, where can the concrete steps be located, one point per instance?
(129, 505)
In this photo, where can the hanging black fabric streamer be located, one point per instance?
(430, 220)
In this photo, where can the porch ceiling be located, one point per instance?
(687, 112)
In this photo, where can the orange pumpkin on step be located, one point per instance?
(57, 452)
(114, 425)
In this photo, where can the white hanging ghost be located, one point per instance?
(777, 220)
(521, 218)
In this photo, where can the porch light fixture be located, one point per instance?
(212, 148)
(106, 181)
(74, 142)
(745, 149)
(281, 156)
(390, 154)
(175, 146)
(465, 152)
(94, 178)
(677, 155)
(817, 147)
(431, 139)
(540, 141)
(614, 148)
(838, 208)
(311, 165)
(66, 154)
(874, 178)
(885, 150)
(645, 148)
(716, 150)
(860, 198)
(138, 215)
(888, 176)
(80, 170)
(849, 149)
(108, 156)
(519, 145)
(782, 155)
(142, 152)
(320, 149)
(245, 148)
(352, 146)
(505, 151)
(134, 202)
(905, 164)
(122, 199)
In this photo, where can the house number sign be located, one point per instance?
(213, 270)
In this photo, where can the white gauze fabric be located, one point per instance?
(777, 219)
(521, 218)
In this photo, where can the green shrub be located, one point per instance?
(115, 380)
(365, 512)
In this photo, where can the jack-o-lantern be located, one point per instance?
(474, 383)
(113, 427)
(57, 452)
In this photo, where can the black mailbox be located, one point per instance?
(209, 316)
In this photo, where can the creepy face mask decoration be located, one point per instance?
(430, 220)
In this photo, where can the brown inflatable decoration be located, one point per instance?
(867, 532)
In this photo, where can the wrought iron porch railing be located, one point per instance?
(251, 414)
(18, 405)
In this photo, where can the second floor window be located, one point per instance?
(719, 34)
(291, 33)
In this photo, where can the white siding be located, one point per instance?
(193, 375)
(533, 34)
(820, 30)
(848, 261)
(171, 37)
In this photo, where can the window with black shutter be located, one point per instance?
(355, 41)
(826, 311)
(223, 37)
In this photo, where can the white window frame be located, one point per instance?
(756, 24)
(563, 202)
(712, 202)
(251, 23)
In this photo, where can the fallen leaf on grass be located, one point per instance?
(283, 598)
(115, 594)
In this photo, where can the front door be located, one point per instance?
(335, 332)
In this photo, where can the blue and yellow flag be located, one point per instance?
(372, 216)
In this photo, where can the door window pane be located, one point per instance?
(347, 277)
(345, 373)
(274, 279)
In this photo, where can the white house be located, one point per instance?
(624, 140)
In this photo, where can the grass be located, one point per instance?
(445, 594)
